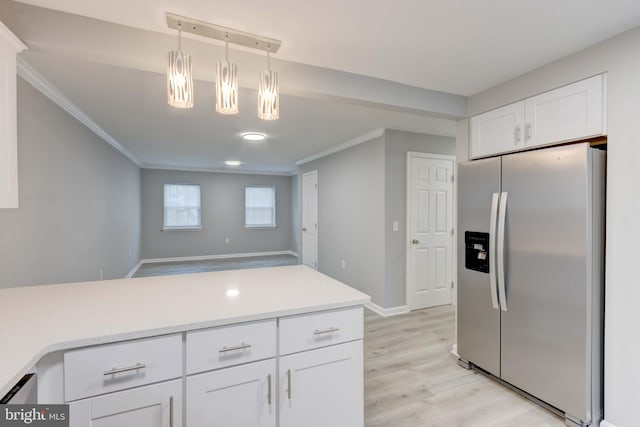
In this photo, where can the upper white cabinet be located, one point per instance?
(498, 130)
(10, 45)
(569, 113)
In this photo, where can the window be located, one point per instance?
(181, 206)
(259, 207)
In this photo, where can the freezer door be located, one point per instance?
(478, 315)
(546, 323)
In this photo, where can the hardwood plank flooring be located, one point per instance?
(411, 379)
(198, 266)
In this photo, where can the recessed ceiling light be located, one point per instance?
(254, 136)
(232, 163)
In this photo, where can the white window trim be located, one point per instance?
(181, 228)
(275, 215)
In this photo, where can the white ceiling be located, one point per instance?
(346, 67)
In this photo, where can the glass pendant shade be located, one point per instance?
(226, 87)
(268, 98)
(179, 80)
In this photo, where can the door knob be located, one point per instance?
(415, 241)
(304, 229)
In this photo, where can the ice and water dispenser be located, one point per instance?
(476, 254)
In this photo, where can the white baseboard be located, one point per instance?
(387, 312)
(223, 256)
(605, 423)
(133, 270)
(454, 352)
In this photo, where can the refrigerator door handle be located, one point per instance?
(502, 215)
(492, 250)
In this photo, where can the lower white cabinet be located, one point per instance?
(323, 387)
(149, 406)
(241, 396)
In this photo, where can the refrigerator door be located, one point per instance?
(478, 314)
(545, 326)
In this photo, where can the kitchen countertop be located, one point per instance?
(37, 320)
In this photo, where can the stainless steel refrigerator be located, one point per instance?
(530, 274)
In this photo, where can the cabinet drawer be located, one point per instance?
(106, 368)
(215, 348)
(314, 330)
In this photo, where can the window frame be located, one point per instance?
(166, 227)
(260, 226)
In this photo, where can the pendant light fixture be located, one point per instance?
(180, 81)
(179, 77)
(226, 83)
(268, 98)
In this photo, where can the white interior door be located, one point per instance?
(310, 219)
(430, 230)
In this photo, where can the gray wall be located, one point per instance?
(295, 214)
(398, 143)
(351, 216)
(222, 202)
(361, 191)
(619, 57)
(79, 202)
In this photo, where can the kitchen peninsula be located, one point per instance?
(175, 348)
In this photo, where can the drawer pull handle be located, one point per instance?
(242, 346)
(269, 386)
(289, 384)
(135, 367)
(171, 411)
(325, 331)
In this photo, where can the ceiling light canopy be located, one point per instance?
(226, 84)
(254, 136)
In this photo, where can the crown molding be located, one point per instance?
(355, 141)
(39, 82)
(215, 170)
(7, 35)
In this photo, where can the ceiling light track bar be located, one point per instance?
(205, 29)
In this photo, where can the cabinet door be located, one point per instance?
(569, 113)
(498, 131)
(324, 387)
(150, 406)
(241, 396)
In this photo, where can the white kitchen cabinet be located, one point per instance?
(10, 46)
(498, 130)
(323, 387)
(240, 396)
(570, 113)
(158, 405)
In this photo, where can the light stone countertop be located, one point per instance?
(37, 320)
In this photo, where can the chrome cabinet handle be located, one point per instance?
(127, 369)
(325, 331)
(415, 241)
(289, 384)
(527, 132)
(242, 346)
(171, 411)
(269, 387)
(517, 135)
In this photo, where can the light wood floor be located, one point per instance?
(411, 379)
(198, 266)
